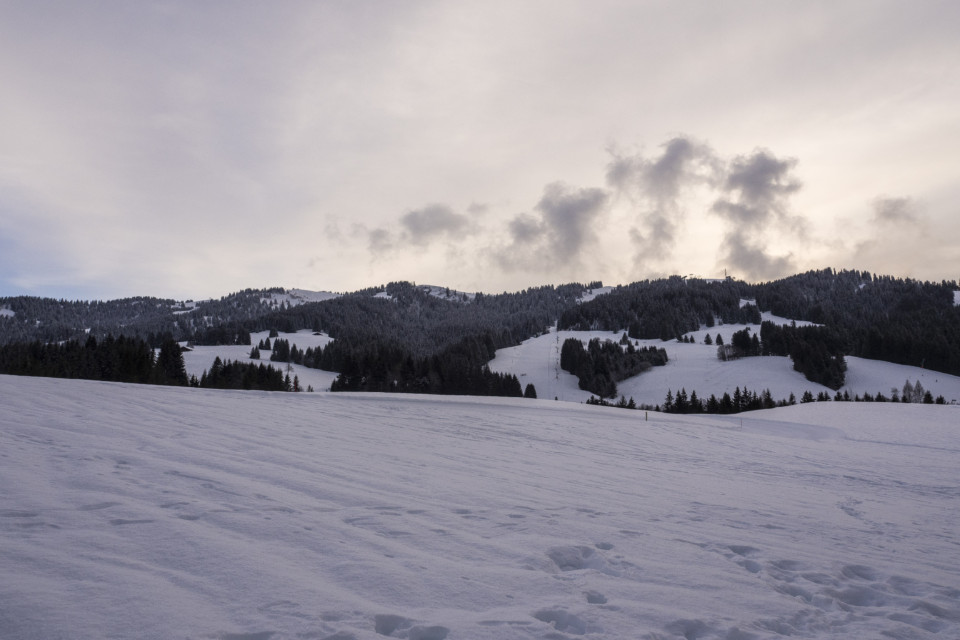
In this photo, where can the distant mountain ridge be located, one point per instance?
(408, 337)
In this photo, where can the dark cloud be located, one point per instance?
(569, 216)
(755, 204)
(656, 187)
(757, 188)
(525, 229)
(422, 226)
(560, 232)
(893, 210)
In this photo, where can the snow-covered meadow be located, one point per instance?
(147, 512)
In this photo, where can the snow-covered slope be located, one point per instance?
(696, 367)
(590, 294)
(199, 358)
(149, 512)
(295, 297)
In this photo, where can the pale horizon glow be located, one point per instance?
(189, 150)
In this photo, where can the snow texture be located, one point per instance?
(7, 313)
(152, 512)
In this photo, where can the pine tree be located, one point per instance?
(170, 368)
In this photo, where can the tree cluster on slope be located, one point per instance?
(602, 364)
(662, 309)
(877, 317)
(231, 374)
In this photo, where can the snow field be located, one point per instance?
(151, 512)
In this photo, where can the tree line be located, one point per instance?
(130, 359)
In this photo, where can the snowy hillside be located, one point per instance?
(153, 512)
(294, 297)
(199, 358)
(696, 367)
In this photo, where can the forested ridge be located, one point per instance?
(401, 337)
(411, 341)
(663, 309)
(602, 364)
(153, 319)
(878, 317)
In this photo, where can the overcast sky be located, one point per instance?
(190, 149)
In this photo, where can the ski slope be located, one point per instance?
(149, 512)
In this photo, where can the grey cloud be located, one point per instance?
(421, 226)
(560, 231)
(755, 203)
(753, 261)
(569, 215)
(379, 241)
(894, 210)
(525, 229)
(762, 184)
(656, 186)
